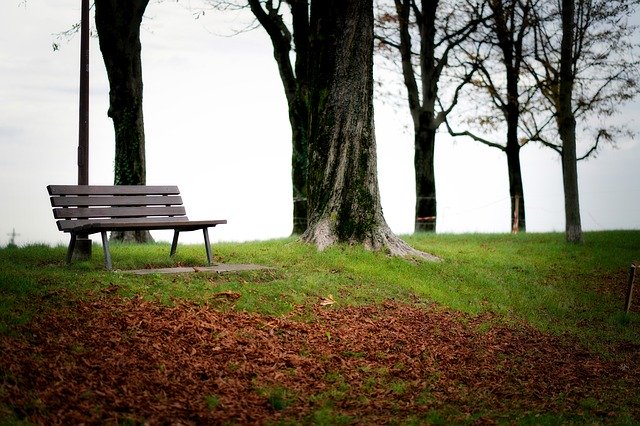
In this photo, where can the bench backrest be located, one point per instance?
(77, 205)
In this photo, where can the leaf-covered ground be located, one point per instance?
(118, 360)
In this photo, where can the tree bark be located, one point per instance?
(567, 127)
(512, 150)
(118, 25)
(343, 193)
(425, 125)
(518, 216)
(426, 202)
(299, 158)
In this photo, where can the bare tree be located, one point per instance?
(585, 70)
(500, 51)
(567, 125)
(438, 28)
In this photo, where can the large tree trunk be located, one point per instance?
(343, 194)
(567, 128)
(118, 25)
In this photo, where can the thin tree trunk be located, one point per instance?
(573, 226)
(510, 38)
(422, 113)
(518, 217)
(343, 193)
(118, 25)
(300, 122)
(567, 128)
(512, 150)
(424, 156)
(300, 152)
(426, 205)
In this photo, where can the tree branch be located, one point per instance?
(473, 136)
(280, 36)
(602, 133)
(403, 9)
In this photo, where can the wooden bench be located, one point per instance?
(89, 209)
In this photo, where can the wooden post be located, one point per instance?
(83, 128)
(82, 249)
(632, 276)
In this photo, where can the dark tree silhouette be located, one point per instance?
(500, 51)
(437, 28)
(567, 125)
(584, 67)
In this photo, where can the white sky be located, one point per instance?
(216, 125)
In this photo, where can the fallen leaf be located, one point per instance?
(325, 301)
(227, 294)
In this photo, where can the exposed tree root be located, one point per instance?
(381, 238)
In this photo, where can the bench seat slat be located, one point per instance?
(98, 212)
(111, 225)
(118, 200)
(112, 190)
(67, 225)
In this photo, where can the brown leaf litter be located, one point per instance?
(115, 360)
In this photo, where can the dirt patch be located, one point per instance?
(117, 360)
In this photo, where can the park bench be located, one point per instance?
(89, 209)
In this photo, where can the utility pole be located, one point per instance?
(83, 243)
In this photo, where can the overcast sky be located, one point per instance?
(216, 125)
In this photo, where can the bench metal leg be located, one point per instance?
(207, 246)
(105, 248)
(72, 245)
(174, 243)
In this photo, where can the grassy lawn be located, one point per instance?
(519, 282)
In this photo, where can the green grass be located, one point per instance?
(212, 401)
(538, 278)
